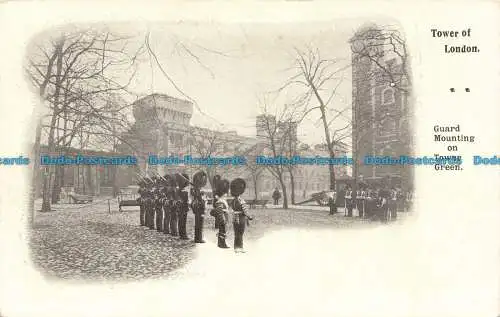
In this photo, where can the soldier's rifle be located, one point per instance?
(146, 178)
(189, 182)
(158, 174)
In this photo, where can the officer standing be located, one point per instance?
(183, 207)
(141, 201)
(393, 203)
(198, 205)
(357, 201)
(150, 206)
(369, 202)
(361, 201)
(409, 200)
(159, 204)
(383, 204)
(331, 202)
(176, 205)
(400, 200)
(220, 209)
(168, 202)
(276, 196)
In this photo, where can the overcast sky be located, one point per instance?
(255, 60)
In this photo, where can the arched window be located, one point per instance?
(387, 96)
(389, 125)
(386, 151)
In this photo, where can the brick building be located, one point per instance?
(87, 179)
(382, 110)
(308, 179)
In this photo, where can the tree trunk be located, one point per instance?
(328, 139)
(329, 144)
(355, 170)
(255, 181)
(355, 140)
(114, 170)
(331, 171)
(283, 188)
(45, 189)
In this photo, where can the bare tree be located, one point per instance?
(315, 75)
(290, 149)
(77, 73)
(206, 143)
(379, 58)
(69, 72)
(254, 170)
(376, 45)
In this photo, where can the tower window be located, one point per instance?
(387, 126)
(387, 96)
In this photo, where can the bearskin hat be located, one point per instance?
(182, 180)
(200, 179)
(221, 185)
(238, 186)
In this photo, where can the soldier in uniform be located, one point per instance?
(348, 201)
(159, 204)
(220, 209)
(393, 203)
(183, 206)
(276, 196)
(408, 200)
(383, 205)
(141, 201)
(369, 202)
(163, 204)
(150, 206)
(198, 204)
(240, 215)
(400, 200)
(360, 200)
(374, 206)
(175, 206)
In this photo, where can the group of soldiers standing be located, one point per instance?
(382, 203)
(164, 206)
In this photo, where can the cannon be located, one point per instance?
(321, 198)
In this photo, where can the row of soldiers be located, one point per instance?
(164, 205)
(382, 203)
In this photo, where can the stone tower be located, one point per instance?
(380, 105)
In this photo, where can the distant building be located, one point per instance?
(381, 108)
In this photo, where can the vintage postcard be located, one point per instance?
(278, 158)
